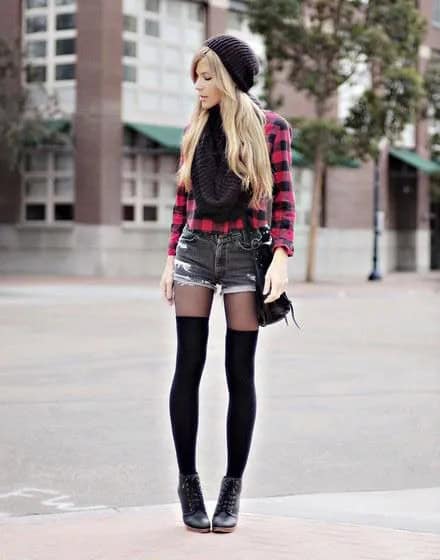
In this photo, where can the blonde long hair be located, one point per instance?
(243, 122)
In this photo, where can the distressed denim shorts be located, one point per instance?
(208, 259)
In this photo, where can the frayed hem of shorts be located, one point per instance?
(184, 282)
(238, 289)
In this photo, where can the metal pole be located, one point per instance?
(375, 274)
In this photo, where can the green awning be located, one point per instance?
(412, 158)
(57, 125)
(46, 132)
(169, 137)
(298, 159)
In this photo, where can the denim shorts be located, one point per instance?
(208, 259)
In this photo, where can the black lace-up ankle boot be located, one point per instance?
(226, 511)
(193, 507)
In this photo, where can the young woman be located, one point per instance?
(235, 158)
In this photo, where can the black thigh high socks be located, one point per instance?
(192, 338)
(239, 362)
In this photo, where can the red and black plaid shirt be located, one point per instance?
(279, 138)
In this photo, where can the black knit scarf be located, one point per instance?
(217, 189)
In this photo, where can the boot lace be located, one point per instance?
(193, 493)
(228, 496)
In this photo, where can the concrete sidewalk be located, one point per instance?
(158, 533)
(344, 461)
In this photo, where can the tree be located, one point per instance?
(432, 110)
(396, 92)
(322, 43)
(22, 123)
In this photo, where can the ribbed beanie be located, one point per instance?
(238, 58)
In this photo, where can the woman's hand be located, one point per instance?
(276, 276)
(166, 281)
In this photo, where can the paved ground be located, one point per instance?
(345, 461)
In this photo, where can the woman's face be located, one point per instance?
(208, 92)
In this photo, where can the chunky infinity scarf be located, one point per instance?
(217, 189)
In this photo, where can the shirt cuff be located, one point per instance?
(289, 249)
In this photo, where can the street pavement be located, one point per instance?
(345, 458)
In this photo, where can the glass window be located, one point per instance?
(150, 213)
(36, 49)
(195, 11)
(129, 188)
(65, 21)
(174, 8)
(36, 4)
(35, 74)
(36, 188)
(65, 72)
(63, 187)
(152, 5)
(152, 27)
(36, 24)
(36, 212)
(235, 20)
(436, 12)
(150, 188)
(35, 161)
(64, 2)
(129, 163)
(63, 212)
(65, 46)
(128, 213)
(130, 73)
(130, 23)
(63, 162)
(130, 49)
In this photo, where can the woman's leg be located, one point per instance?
(240, 345)
(193, 307)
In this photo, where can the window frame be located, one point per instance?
(138, 201)
(50, 175)
(50, 37)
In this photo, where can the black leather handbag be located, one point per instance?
(274, 311)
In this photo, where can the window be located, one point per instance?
(150, 213)
(64, 72)
(130, 49)
(56, 19)
(65, 21)
(130, 24)
(152, 5)
(130, 73)
(196, 12)
(36, 24)
(236, 20)
(152, 27)
(148, 185)
(35, 161)
(36, 49)
(65, 46)
(48, 190)
(436, 12)
(35, 212)
(36, 74)
(174, 8)
(36, 4)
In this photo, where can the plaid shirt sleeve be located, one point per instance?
(283, 201)
(179, 216)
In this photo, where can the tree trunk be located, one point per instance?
(314, 217)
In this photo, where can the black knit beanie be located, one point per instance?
(238, 58)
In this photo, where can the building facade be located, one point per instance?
(119, 71)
